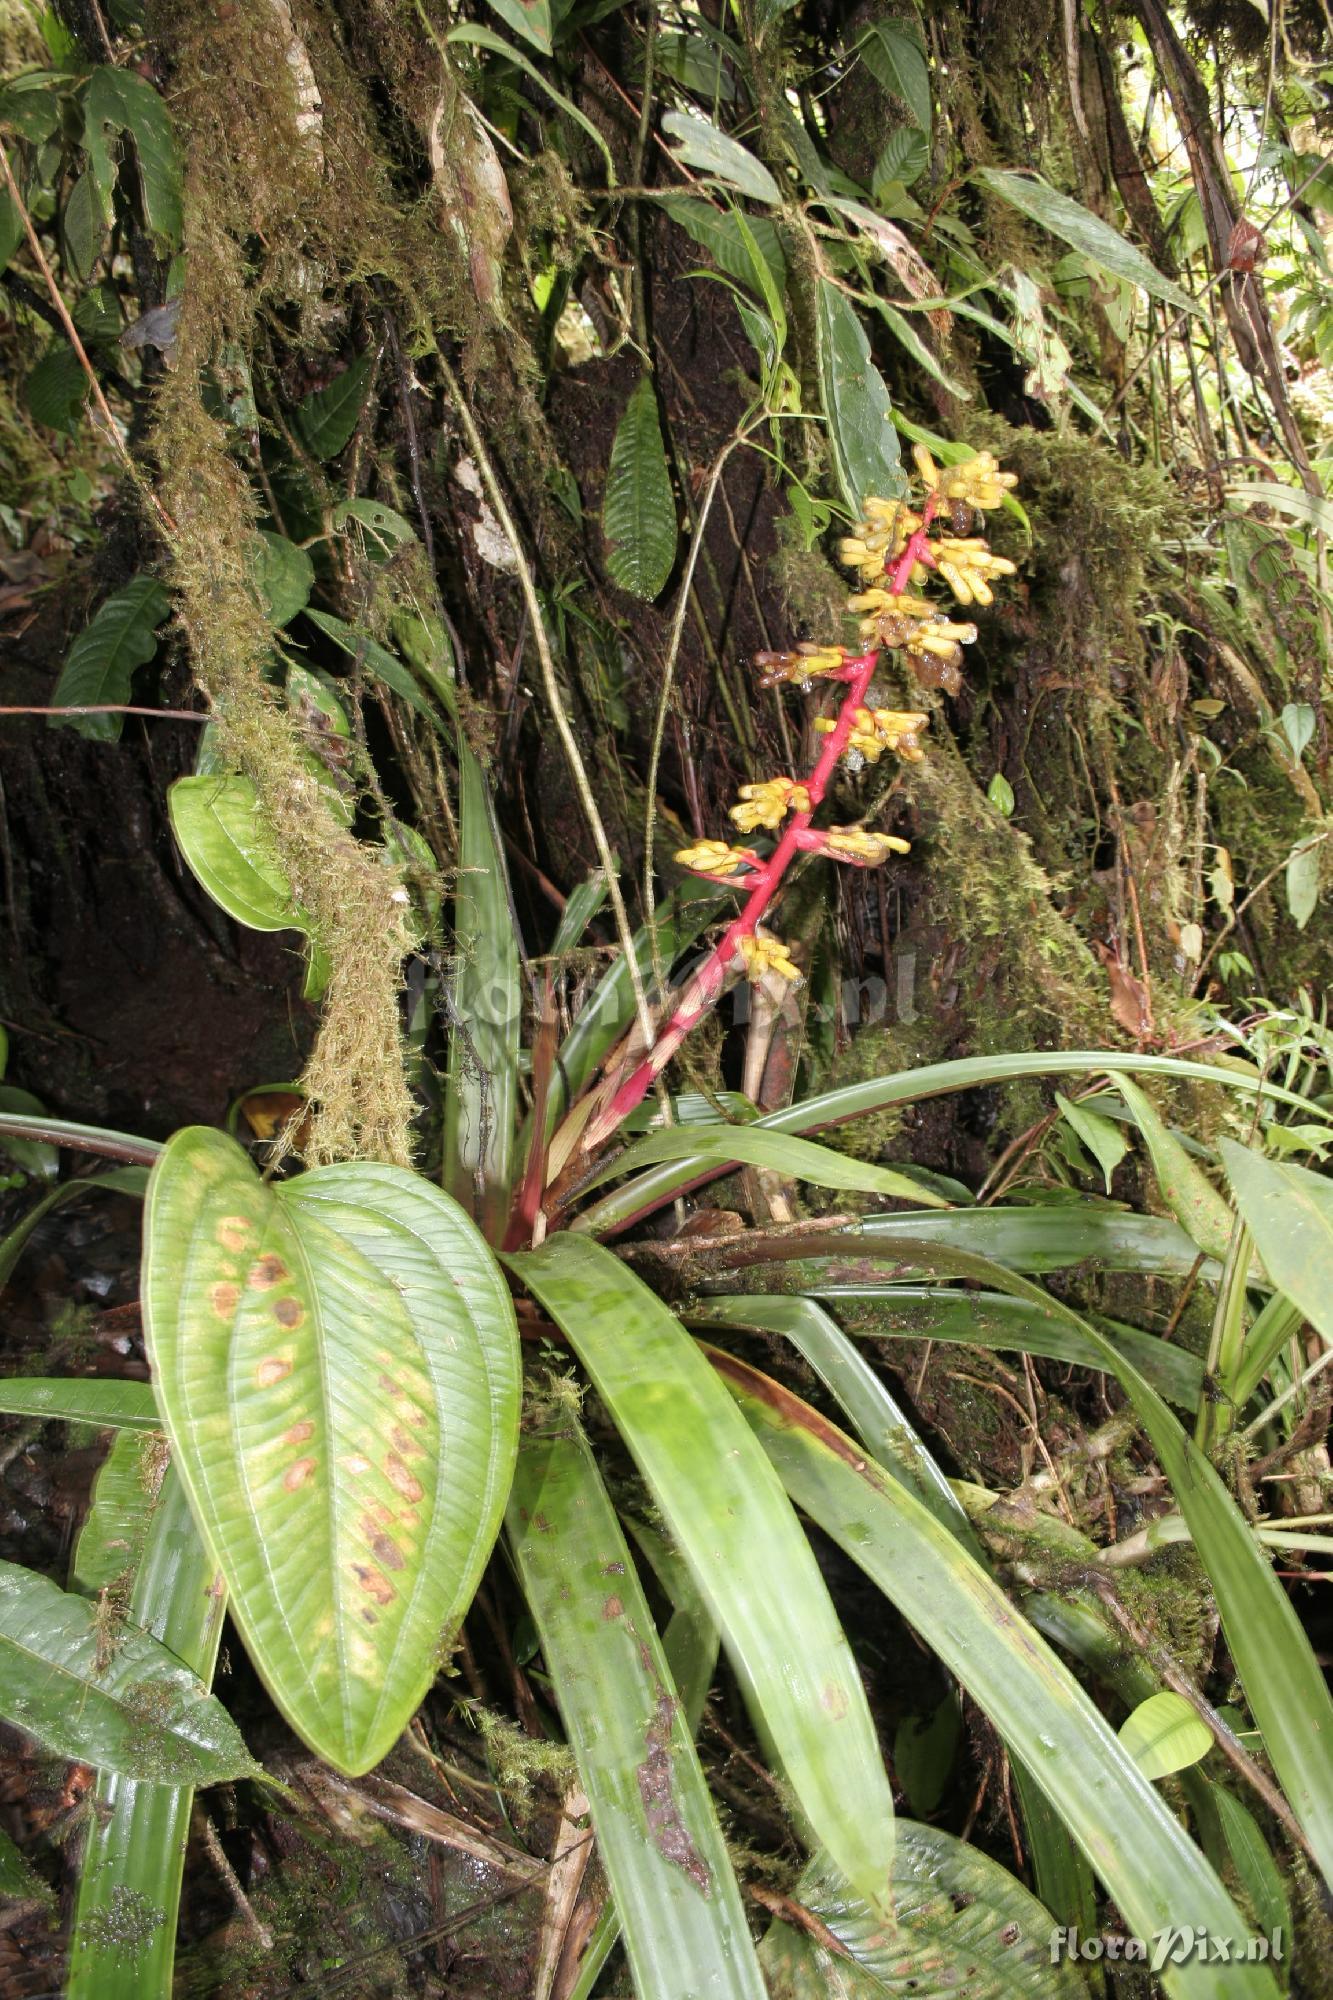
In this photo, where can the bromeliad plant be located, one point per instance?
(337, 1366)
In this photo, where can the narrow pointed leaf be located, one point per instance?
(752, 1146)
(735, 1528)
(856, 1100)
(93, 1400)
(657, 1833)
(481, 1090)
(1196, 1204)
(327, 417)
(856, 403)
(130, 1706)
(1083, 231)
(1133, 1841)
(123, 1942)
(336, 1362)
(1286, 1692)
(100, 665)
(879, 1423)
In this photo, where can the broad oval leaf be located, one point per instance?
(639, 510)
(285, 576)
(1165, 1733)
(336, 1362)
(120, 101)
(118, 1700)
(701, 145)
(746, 1550)
(963, 1926)
(893, 54)
(529, 18)
(231, 853)
(657, 1832)
(717, 231)
(120, 636)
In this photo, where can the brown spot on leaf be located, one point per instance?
(401, 1480)
(288, 1312)
(833, 1700)
(273, 1368)
(297, 1474)
(656, 1775)
(298, 1433)
(613, 1608)
(379, 1587)
(224, 1299)
(400, 1440)
(265, 1272)
(387, 1551)
(370, 1617)
(354, 1463)
(391, 1387)
(234, 1232)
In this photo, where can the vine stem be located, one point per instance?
(554, 700)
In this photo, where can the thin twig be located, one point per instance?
(111, 708)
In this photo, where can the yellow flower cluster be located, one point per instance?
(977, 481)
(882, 535)
(875, 730)
(866, 850)
(716, 860)
(764, 953)
(967, 566)
(768, 804)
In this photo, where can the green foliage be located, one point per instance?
(639, 511)
(862, 438)
(312, 1345)
(100, 665)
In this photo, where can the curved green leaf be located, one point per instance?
(1007, 1325)
(336, 1362)
(230, 851)
(753, 1146)
(639, 509)
(736, 1530)
(128, 1705)
(1186, 1189)
(99, 666)
(529, 18)
(1165, 1733)
(285, 576)
(657, 1832)
(855, 1100)
(1051, 1237)
(1286, 1692)
(963, 1925)
(893, 54)
(1085, 232)
(1133, 1841)
(717, 231)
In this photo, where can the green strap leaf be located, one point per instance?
(639, 510)
(1085, 232)
(752, 1146)
(118, 1700)
(99, 666)
(1133, 1841)
(657, 1833)
(1186, 1189)
(718, 231)
(737, 1532)
(336, 1362)
(486, 1008)
(529, 18)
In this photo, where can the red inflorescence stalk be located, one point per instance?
(706, 985)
